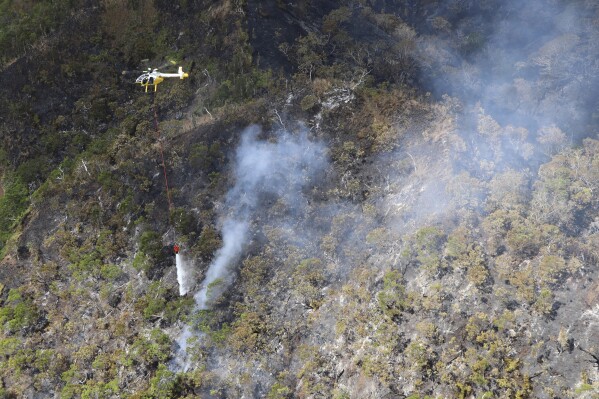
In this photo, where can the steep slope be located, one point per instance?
(375, 199)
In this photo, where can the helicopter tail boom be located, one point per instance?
(182, 75)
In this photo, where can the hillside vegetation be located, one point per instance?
(389, 199)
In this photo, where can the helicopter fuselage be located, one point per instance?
(155, 77)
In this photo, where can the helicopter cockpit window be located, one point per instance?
(143, 79)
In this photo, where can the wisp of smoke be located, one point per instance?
(536, 66)
(234, 234)
(181, 361)
(262, 168)
(281, 168)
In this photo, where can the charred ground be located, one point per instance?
(447, 247)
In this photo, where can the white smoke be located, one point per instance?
(234, 236)
(181, 361)
(280, 168)
(536, 66)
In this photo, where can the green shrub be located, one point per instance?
(33, 170)
(151, 349)
(392, 298)
(307, 280)
(202, 156)
(309, 102)
(9, 346)
(110, 272)
(23, 23)
(18, 313)
(185, 222)
(208, 242)
(13, 204)
(150, 243)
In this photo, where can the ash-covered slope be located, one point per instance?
(373, 199)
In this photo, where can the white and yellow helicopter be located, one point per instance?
(154, 77)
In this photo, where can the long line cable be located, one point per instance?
(157, 128)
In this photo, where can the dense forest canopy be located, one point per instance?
(373, 199)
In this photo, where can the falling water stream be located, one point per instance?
(182, 275)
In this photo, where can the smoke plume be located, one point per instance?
(263, 171)
(531, 65)
(262, 168)
(234, 234)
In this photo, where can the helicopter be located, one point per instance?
(155, 77)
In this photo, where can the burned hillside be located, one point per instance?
(355, 199)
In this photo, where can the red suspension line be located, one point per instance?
(168, 193)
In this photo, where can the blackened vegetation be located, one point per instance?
(270, 24)
(448, 247)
